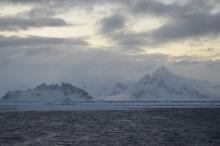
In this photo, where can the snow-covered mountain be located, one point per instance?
(115, 89)
(160, 85)
(165, 85)
(119, 88)
(48, 93)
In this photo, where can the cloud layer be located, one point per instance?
(195, 19)
(14, 23)
(99, 42)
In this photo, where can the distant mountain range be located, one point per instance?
(160, 85)
(49, 93)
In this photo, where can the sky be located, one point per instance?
(96, 43)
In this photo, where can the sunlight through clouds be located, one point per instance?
(134, 35)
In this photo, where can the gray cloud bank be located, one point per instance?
(31, 60)
(190, 20)
(195, 19)
(15, 23)
(37, 41)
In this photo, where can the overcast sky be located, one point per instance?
(99, 42)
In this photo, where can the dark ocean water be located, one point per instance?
(105, 105)
(163, 126)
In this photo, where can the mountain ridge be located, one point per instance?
(44, 92)
(163, 84)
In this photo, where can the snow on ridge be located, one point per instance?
(164, 85)
(161, 85)
(46, 93)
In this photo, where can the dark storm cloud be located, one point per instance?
(112, 23)
(130, 40)
(16, 23)
(114, 27)
(136, 6)
(192, 20)
(186, 27)
(189, 20)
(150, 7)
(33, 41)
(60, 3)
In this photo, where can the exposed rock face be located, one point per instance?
(45, 92)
